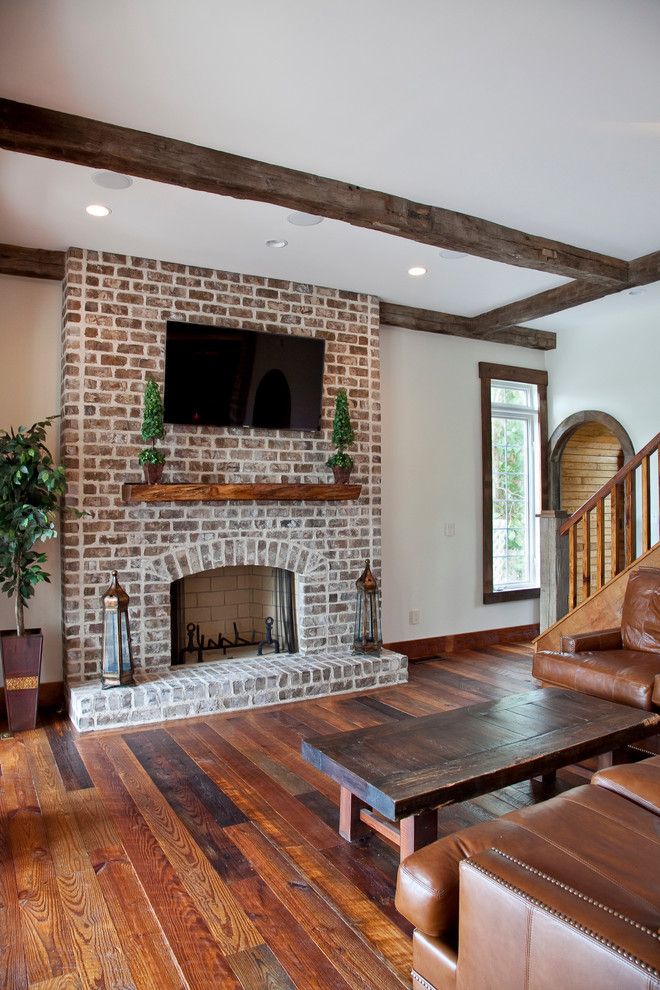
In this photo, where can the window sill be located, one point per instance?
(519, 595)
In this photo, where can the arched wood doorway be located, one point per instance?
(586, 450)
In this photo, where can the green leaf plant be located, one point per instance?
(343, 434)
(32, 489)
(152, 424)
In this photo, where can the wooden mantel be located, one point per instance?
(240, 493)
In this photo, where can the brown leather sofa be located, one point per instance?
(616, 664)
(563, 895)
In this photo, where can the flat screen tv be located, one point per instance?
(217, 376)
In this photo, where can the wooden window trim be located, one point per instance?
(504, 372)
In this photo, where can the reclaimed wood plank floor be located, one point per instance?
(205, 853)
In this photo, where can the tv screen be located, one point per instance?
(216, 376)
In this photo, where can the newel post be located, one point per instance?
(554, 567)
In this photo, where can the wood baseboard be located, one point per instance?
(51, 695)
(423, 649)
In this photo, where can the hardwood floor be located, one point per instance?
(205, 854)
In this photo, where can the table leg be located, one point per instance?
(350, 826)
(549, 777)
(417, 831)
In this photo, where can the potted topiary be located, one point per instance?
(152, 460)
(31, 493)
(342, 437)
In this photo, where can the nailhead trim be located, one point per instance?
(420, 979)
(563, 917)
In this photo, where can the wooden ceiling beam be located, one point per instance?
(641, 271)
(431, 321)
(31, 262)
(64, 137)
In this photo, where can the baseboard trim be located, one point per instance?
(423, 649)
(51, 695)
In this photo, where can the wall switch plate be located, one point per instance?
(450, 529)
(413, 616)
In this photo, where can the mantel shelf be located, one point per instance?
(240, 493)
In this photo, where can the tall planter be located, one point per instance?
(21, 668)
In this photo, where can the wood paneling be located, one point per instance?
(590, 458)
(205, 854)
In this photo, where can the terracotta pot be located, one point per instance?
(153, 473)
(342, 475)
(21, 668)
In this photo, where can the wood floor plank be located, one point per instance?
(71, 767)
(94, 937)
(13, 968)
(197, 952)
(228, 924)
(259, 967)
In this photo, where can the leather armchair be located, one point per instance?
(621, 664)
(558, 896)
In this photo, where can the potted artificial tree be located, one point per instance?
(152, 460)
(31, 493)
(342, 437)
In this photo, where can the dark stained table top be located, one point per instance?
(419, 763)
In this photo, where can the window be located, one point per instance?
(514, 446)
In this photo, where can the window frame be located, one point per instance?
(490, 373)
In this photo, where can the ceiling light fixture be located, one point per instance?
(417, 270)
(274, 243)
(300, 219)
(112, 180)
(639, 291)
(96, 210)
(451, 255)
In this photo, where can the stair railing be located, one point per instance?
(626, 494)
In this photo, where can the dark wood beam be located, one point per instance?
(31, 262)
(431, 321)
(641, 271)
(64, 137)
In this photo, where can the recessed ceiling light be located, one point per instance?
(416, 271)
(274, 243)
(451, 255)
(299, 219)
(639, 291)
(112, 180)
(96, 210)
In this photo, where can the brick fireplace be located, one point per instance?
(114, 319)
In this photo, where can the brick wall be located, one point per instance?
(114, 315)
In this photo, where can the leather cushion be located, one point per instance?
(590, 838)
(639, 782)
(624, 676)
(640, 619)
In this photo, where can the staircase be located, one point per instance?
(631, 499)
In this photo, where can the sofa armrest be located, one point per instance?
(518, 926)
(638, 782)
(600, 639)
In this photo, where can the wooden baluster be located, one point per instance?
(586, 556)
(631, 536)
(615, 531)
(600, 543)
(646, 504)
(572, 567)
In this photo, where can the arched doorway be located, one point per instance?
(586, 450)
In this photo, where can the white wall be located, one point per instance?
(432, 476)
(610, 363)
(30, 321)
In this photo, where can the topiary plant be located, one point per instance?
(31, 493)
(152, 424)
(343, 434)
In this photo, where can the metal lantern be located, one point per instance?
(117, 656)
(367, 637)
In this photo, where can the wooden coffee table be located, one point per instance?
(394, 777)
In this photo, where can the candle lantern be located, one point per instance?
(117, 656)
(367, 638)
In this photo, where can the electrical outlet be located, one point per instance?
(450, 529)
(413, 616)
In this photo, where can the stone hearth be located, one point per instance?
(225, 686)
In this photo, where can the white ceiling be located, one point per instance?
(542, 116)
